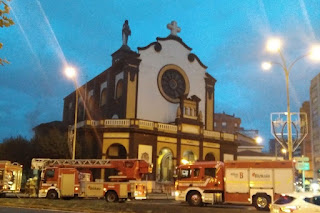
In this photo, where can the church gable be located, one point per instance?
(169, 70)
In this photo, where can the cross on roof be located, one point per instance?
(174, 28)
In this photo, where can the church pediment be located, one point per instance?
(176, 38)
(158, 45)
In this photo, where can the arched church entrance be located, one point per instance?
(165, 165)
(115, 151)
(189, 156)
(209, 157)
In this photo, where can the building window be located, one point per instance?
(119, 89)
(115, 116)
(215, 124)
(315, 111)
(90, 104)
(103, 97)
(71, 113)
(80, 111)
(235, 125)
(314, 100)
(224, 124)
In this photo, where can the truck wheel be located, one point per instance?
(194, 199)
(261, 201)
(52, 194)
(111, 196)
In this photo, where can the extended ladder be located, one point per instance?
(40, 163)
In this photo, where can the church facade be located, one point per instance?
(156, 104)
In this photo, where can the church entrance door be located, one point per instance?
(116, 151)
(165, 165)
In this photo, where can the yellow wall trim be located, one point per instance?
(190, 128)
(116, 135)
(131, 97)
(190, 142)
(167, 139)
(210, 144)
(172, 147)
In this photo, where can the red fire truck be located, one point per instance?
(241, 182)
(65, 178)
(10, 177)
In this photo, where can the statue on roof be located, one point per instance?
(125, 33)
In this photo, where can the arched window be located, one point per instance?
(210, 157)
(117, 151)
(103, 97)
(91, 104)
(70, 113)
(189, 156)
(115, 116)
(80, 111)
(119, 89)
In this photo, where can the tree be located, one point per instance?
(5, 21)
(16, 150)
(50, 140)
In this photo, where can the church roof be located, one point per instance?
(176, 38)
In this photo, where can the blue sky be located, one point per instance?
(227, 35)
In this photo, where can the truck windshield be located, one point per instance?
(184, 173)
(210, 172)
(49, 173)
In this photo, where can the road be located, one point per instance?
(146, 206)
(23, 210)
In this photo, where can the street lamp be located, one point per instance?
(284, 152)
(71, 73)
(274, 46)
(258, 140)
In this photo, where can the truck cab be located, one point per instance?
(200, 182)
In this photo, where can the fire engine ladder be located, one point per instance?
(40, 163)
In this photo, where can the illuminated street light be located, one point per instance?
(284, 151)
(266, 65)
(274, 46)
(258, 140)
(71, 73)
(315, 53)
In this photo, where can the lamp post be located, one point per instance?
(284, 152)
(71, 73)
(274, 46)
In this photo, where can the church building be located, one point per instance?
(156, 103)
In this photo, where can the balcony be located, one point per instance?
(152, 126)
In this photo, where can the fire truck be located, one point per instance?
(239, 182)
(10, 177)
(65, 178)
